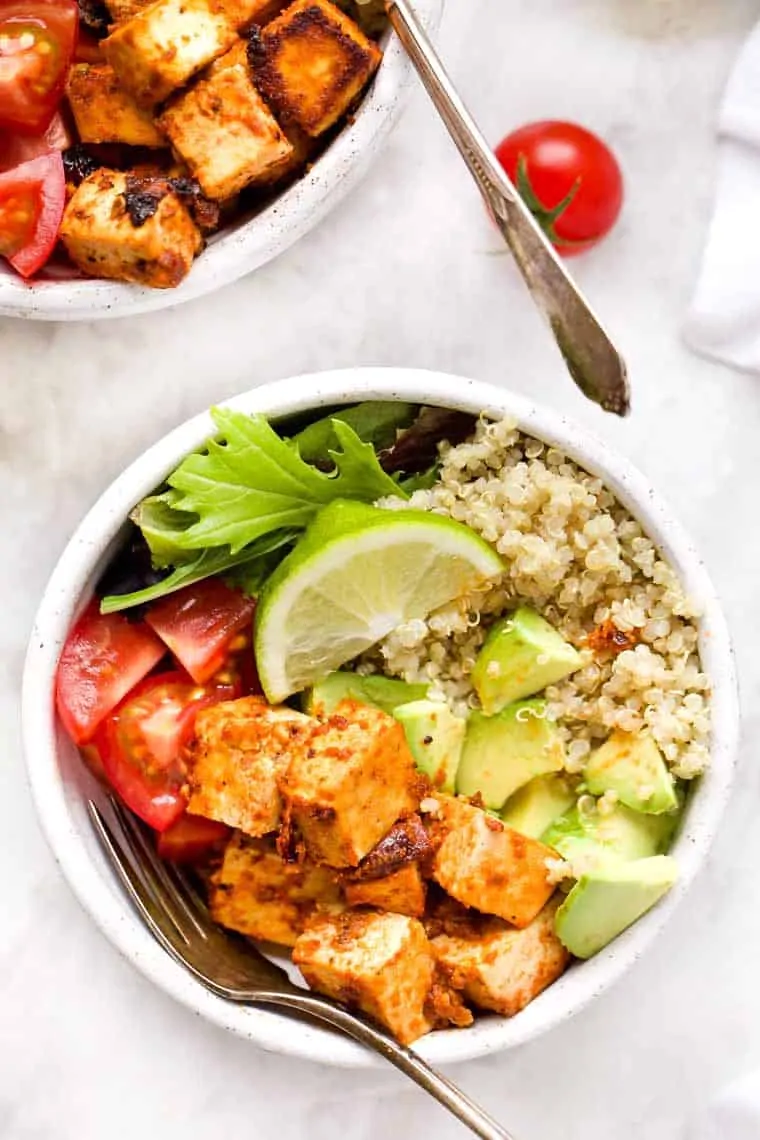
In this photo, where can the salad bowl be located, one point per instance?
(61, 785)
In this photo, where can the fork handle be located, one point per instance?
(428, 1078)
(592, 360)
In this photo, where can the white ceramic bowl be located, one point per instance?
(245, 246)
(59, 779)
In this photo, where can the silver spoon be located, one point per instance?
(592, 360)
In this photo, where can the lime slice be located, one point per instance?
(358, 573)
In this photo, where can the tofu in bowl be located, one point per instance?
(199, 139)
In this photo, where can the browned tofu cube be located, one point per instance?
(311, 63)
(499, 968)
(110, 232)
(402, 892)
(104, 112)
(257, 894)
(486, 865)
(223, 130)
(160, 48)
(350, 779)
(381, 963)
(238, 749)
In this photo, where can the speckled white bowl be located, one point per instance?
(59, 780)
(245, 246)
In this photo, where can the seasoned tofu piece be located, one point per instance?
(109, 231)
(348, 782)
(161, 47)
(485, 864)
(402, 892)
(238, 749)
(222, 129)
(257, 894)
(381, 963)
(104, 112)
(311, 63)
(499, 968)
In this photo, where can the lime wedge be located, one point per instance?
(358, 573)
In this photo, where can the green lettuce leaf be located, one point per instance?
(247, 570)
(250, 482)
(374, 421)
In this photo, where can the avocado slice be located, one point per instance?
(385, 693)
(503, 752)
(535, 806)
(607, 901)
(621, 832)
(631, 764)
(522, 654)
(435, 737)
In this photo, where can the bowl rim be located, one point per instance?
(96, 887)
(249, 245)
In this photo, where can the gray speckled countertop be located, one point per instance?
(407, 271)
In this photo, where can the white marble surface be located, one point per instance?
(407, 272)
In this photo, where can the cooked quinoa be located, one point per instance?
(578, 557)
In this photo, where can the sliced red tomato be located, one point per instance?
(199, 623)
(16, 148)
(104, 657)
(142, 743)
(32, 199)
(568, 177)
(37, 41)
(191, 838)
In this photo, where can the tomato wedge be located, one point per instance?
(199, 623)
(32, 199)
(142, 744)
(191, 838)
(37, 41)
(16, 148)
(104, 657)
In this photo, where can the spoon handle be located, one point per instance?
(592, 360)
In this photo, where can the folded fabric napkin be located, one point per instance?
(724, 319)
(733, 1115)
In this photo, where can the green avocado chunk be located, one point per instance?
(621, 832)
(384, 693)
(435, 737)
(522, 654)
(631, 764)
(536, 805)
(503, 752)
(607, 901)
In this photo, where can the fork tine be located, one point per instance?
(143, 899)
(172, 892)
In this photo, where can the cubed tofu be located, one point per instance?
(381, 963)
(486, 865)
(352, 777)
(160, 48)
(108, 233)
(257, 894)
(402, 892)
(237, 751)
(499, 968)
(104, 112)
(223, 130)
(311, 63)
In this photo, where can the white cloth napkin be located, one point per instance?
(733, 1115)
(724, 319)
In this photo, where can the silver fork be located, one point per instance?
(592, 359)
(230, 967)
